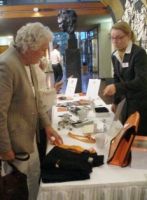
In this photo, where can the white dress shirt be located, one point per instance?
(55, 57)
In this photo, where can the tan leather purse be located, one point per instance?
(120, 145)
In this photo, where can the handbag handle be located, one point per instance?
(22, 156)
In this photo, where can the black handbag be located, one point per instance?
(13, 186)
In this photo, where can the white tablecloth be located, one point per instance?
(106, 182)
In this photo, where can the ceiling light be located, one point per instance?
(36, 9)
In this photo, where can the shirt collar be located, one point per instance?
(127, 51)
(129, 47)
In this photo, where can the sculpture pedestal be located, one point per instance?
(73, 61)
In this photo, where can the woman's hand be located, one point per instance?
(109, 90)
(53, 136)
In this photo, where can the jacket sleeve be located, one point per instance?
(42, 114)
(118, 95)
(136, 84)
(139, 82)
(6, 88)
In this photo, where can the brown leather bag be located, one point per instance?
(120, 145)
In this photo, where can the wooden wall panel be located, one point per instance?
(95, 8)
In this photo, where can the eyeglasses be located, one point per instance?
(118, 37)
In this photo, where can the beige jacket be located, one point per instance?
(20, 111)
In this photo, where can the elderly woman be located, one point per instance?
(130, 75)
(20, 107)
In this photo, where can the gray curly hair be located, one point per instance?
(32, 36)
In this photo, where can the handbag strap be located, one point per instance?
(22, 156)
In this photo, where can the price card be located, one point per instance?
(93, 88)
(71, 86)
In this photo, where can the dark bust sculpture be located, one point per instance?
(67, 20)
(67, 23)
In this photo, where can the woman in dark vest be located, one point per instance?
(130, 75)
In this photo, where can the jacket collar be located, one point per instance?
(127, 51)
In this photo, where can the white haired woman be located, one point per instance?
(20, 106)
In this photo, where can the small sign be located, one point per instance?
(93, 88)
(71, 86)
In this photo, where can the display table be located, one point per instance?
(106, 182)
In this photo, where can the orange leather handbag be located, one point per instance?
(120, 145)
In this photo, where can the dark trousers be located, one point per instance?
(42, 144)
(133, 106)
(58, 73)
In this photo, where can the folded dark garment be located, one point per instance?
(60, 175)
(66, 159)
(94, 159)
(64, 165)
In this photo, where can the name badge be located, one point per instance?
(124, 65)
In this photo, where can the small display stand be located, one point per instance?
(71, 86)
(93, 88)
